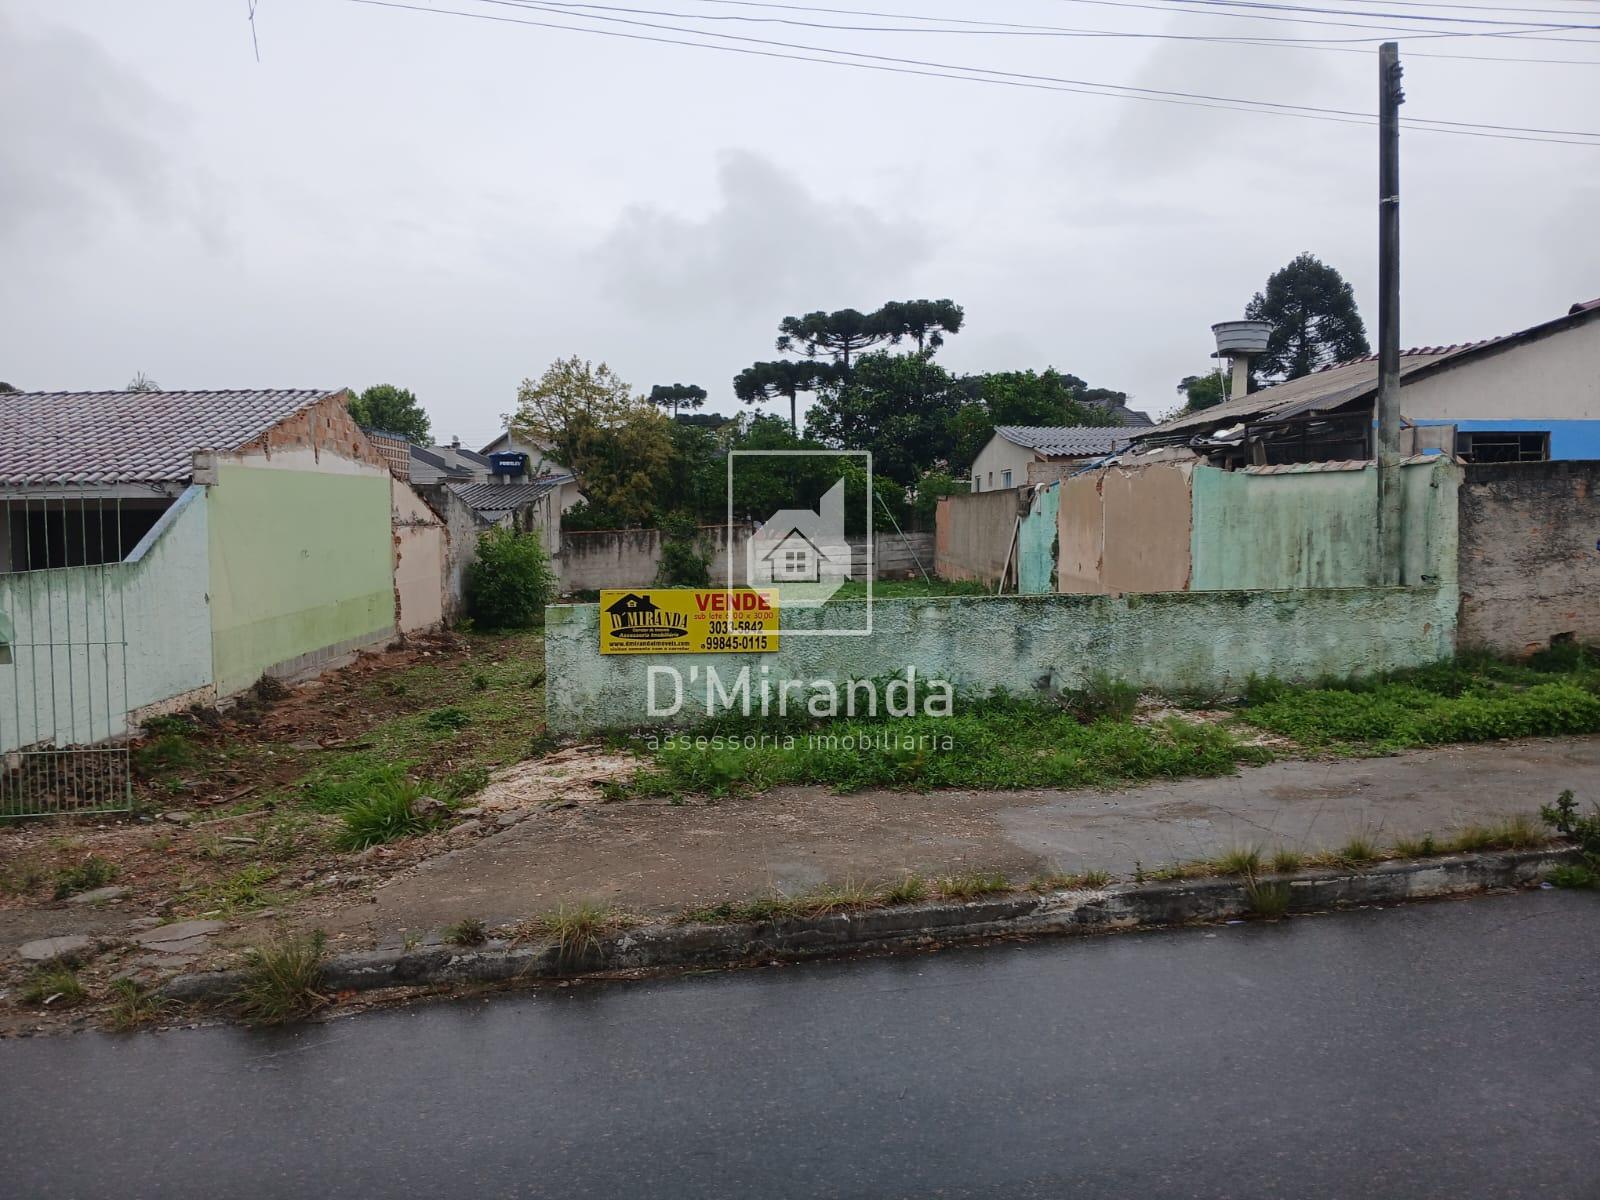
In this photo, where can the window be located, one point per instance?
(991, 480)
(1005, 479)
(1489, 447)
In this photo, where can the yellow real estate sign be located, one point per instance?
(680, 621)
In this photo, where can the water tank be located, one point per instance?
(1241, 337)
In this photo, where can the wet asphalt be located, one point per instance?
(1444, 1049)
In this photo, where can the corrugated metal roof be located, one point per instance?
(1066, 441)
(507, 497)
(86, 438)
(1316, 392)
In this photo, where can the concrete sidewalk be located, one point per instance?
(654, 857)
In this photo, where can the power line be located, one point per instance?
(1420, 122)
(1005, 78)
(1017, 29)
(1274, 6)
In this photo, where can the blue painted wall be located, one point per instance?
(1568, 439)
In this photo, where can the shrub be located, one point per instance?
(168, 752)
(1102, 696)
(447, 719)
(510, 581)
(683, 562)
(469, 931)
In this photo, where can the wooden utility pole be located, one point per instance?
(1391, 493)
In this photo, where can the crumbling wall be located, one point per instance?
(973, 535)
(1530, 554)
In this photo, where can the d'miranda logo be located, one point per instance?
(637, 618)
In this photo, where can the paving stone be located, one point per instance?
(177, 818)
(144, 922)
(99, 895)
(45, 949)
(194, 945)
(507, 820)
(178, 932)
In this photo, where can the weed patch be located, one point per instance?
(134, 1005)
(1268, 900)
(910, 889)
(972, 884)
(281, 979)
(53, 985)
(392, 811)
(469, 931)
(88, 873)
(575, 929)
(995, 743)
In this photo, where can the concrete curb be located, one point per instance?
(1106, 910)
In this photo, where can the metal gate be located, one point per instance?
(63, 654)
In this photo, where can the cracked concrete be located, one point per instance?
(655, 857)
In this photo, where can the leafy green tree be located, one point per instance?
(1203, 391)
(1312, 311)
(841, 336)
(674, 396)
(617, 443)
(392, 410)
(899, 406)
(510, 581)
(927, 321)
(783, 379)
(6, 387)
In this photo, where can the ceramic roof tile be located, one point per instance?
(86, 438)
(1066, 441)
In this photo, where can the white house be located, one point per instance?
(1004, 461)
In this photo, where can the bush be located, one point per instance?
(510, 582)
(1101, 697)
(683, 562)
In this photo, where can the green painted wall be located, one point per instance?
(1036, 543)
(301, 562)
(1316, 529)
(70, 679)
(1208, 641)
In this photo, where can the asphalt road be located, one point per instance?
(1447, 1050)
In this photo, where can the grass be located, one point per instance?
(1423, 846)
(243, 891)
(1286, 860)
(281, 978)
(1357, 852)
(24, 877)
(163, 755)
(57, 984)
(1242, 860)
(388, 812)
(85, 875)
(837, 898)
(1472, 698)
(909, 889)
(134, 1005)
(1268, 900)
(575, 929)
(971, 885)
(469, 931)
(994, 743)
(1068, 883)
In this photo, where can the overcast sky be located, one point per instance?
(449, 204)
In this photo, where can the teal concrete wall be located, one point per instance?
(75, 684)
(1316, 529)
(302, 563)
(1209, 641)
(1036, 543)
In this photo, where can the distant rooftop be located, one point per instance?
(1066, 441)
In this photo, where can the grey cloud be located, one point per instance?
(84, 137)
(770, 242)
